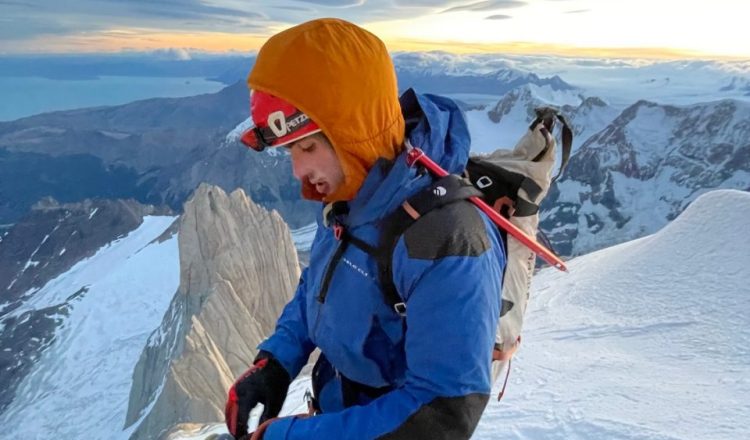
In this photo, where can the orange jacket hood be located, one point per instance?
(343, 78)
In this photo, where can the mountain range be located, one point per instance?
(644, 168)
(160, 317)
(631, 171)
(109, 247)
(155, 151)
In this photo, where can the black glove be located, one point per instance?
(266, 382)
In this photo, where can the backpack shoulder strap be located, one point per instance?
(446, 190)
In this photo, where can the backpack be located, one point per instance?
(514, 183)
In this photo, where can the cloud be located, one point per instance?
(487, 5)
(14, 29)
(424, 3)
(578, 11)
(34, 23)
(40, 17)
(174, 53)
(295, 8)
(180, 10)
(335, 3)
(498, 17)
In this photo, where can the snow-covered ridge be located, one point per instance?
(502, 122)
(643, 340)
(620, 81)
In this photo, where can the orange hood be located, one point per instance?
(342, 77)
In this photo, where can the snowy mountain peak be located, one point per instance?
(639, 140)
(509, 118)
(737, 83)
(530, 96)
(439, 72)
(642, 169)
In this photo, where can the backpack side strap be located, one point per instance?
(547, 116)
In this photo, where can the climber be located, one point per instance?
(417, 367)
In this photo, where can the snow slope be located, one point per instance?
(80, 385)
(645, 340)
(304, 236)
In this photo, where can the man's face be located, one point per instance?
(314, 161)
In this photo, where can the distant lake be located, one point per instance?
(26, 96)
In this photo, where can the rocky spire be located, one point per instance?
(238, 268)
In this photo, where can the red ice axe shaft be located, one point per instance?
(417, 156)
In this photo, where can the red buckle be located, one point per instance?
(507, 203)
(413, 156)
(338, 230)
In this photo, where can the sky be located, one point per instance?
(650, 28)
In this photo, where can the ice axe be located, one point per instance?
(417, 156)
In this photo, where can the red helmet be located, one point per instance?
(276, 121)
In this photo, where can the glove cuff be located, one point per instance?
(262, 354)
(275, 372)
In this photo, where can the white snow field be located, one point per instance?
(79, 387)
(645, 340)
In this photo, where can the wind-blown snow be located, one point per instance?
(79, 388)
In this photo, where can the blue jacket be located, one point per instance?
(432, 368)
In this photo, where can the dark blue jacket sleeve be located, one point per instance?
(290, 343)
(453, 306)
